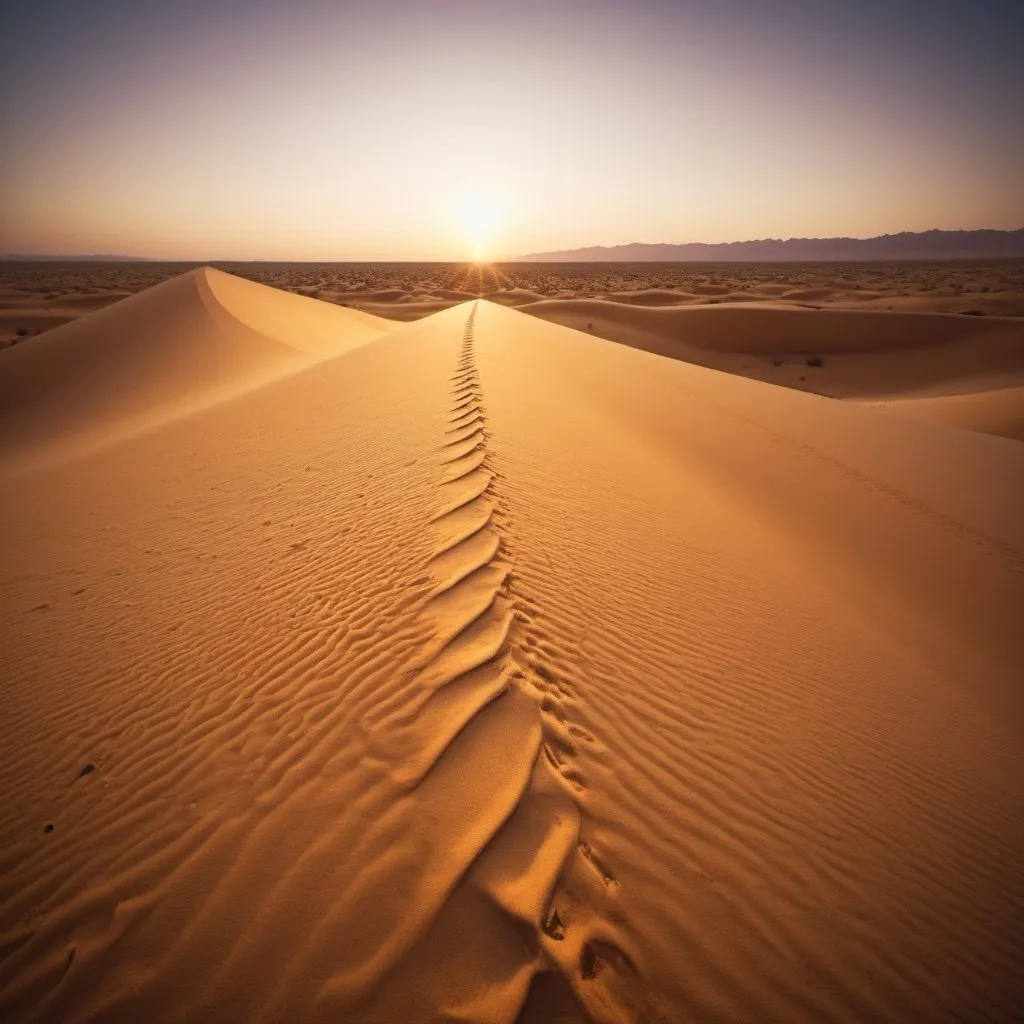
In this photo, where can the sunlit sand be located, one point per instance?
(506, 667)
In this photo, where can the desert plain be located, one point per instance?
(512, 643)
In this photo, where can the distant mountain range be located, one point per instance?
(907, 245)
(97, 258)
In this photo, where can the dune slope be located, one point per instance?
(857, 353)
(189, 341)
(493, 672)
(998, 411)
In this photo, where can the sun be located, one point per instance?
(479, 217)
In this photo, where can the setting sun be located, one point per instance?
(479, 218)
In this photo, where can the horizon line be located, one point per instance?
(132, 258)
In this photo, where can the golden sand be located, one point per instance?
(477, 668)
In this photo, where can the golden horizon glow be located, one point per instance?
(562, 136)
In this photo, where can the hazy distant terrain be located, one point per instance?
(906, 245)
(91, 258)
(36, 296)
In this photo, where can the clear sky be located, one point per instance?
(428, 129)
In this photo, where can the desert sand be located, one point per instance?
(188, 342)
(478, 668)
(963, 342)
(962, 370)
(39, 295)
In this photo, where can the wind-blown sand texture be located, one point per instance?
(485, 670)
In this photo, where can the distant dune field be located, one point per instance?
(480, 668)
(973, 348)
(30, 292)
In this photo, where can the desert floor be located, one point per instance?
(408, 657)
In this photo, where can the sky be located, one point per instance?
(450, 129)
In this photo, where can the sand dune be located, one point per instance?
(1011, 304)
(861, 353)
(491, 671)
(33, 320)
(403, 312)
(162, 353)
(513, 296)
(650, 297)
(37, 296)
(315, 328)
(999, 411)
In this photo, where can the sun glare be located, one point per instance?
(479, 217)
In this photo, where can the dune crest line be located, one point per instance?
(481, 690)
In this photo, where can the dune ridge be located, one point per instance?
(482, 692)
(486, 774)
(190, 341)
(998, 411)
(860, 354)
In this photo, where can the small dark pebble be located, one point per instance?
(48, 827)
(87, 770)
